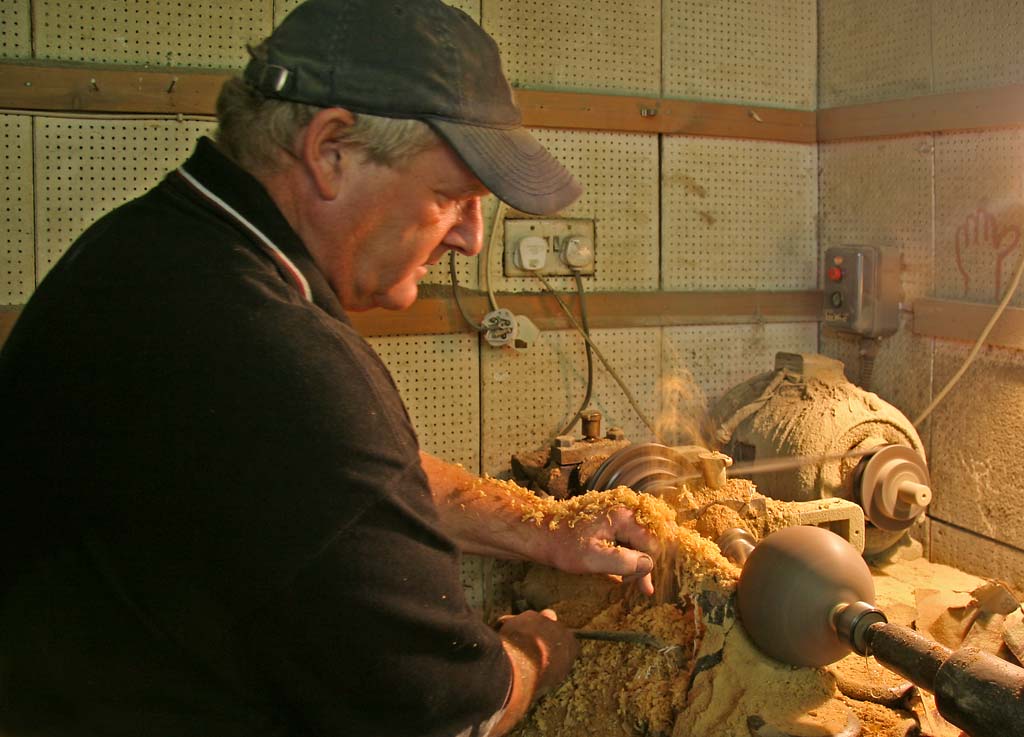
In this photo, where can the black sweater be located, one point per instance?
(214, 519)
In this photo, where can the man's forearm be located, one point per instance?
(598, 532)
(486, 516)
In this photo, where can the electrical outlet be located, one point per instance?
(570, 246)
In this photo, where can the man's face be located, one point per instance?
(393, 223)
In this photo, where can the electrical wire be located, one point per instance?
(597, 352)
(455, 294)
(1014, 283)
(485, 257)
(499, 217)
(590, 357)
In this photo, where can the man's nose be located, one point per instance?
(467, 235)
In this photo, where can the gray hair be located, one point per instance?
(255, 130)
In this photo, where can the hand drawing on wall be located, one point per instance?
(983, 243)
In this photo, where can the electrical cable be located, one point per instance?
(499, 217)
(590, 357)
(597, 352)
(1014, 283)
(455, 294)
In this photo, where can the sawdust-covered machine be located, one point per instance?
(792, 451)
(841, 457)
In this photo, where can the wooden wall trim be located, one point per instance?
(7, 318)
(657, 115)
(964, 321)
(120, 90)
(997, 107)
(99, 89)
(96, 89)
(438, 314)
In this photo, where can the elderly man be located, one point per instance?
(217, 518)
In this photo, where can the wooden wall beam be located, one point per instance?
(93, 89)
(997, 107)
(438, 314)
(656, 115)
(953, 320)
(7, 318)
(120, 90)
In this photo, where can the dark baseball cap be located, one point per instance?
(417, 59)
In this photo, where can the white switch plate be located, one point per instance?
(557, 233)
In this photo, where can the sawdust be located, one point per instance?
(688, 562)
(712, 681)
(864, 679)
(896, 582)
(617, 689)
(577, 599)
(745, 688)
(652, 514)
(881, 721)
(705, 684)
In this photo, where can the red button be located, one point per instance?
(835, 273)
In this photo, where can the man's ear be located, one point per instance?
(322, 151)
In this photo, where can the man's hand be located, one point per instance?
(613, 543)
(545, 642)
(541, 652)
(486, 517)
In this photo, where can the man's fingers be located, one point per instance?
(629, 532)
(546, 613)
(619, 561)
(644, 583)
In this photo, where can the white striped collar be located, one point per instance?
(287, 265)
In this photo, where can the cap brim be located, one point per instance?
(513, 165)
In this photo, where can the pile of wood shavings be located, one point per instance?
(687, 563)
(711, 679)
(619, 689)
(713, 682)
(616, 689)
(651, 513)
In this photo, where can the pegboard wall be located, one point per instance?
(980, 460)
(873, 50)
(702, 362)
(977, 44)
(185, 33)
(979, 214)
(738, 215)
(528, 396)
(608, 46)
(488, 584)
(438, 377)
(17, 277)
(743, 51)
(619, 174)
(880, 193)
(85, 168)
(870, 50)
(15, 29)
